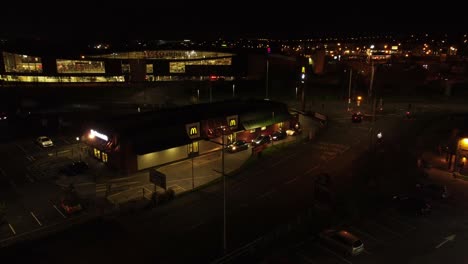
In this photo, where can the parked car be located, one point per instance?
(412, 204)
(239, 145)
(357, 117)
(433, 190)
(44, 141)
(278, 135)
(70, 201)
(343, 241)
(74, 168)
(260, 140)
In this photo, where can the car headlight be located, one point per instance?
(233, 148)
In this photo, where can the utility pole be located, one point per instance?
(371, 80)
(193, 177)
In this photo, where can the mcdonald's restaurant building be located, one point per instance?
(140, 141)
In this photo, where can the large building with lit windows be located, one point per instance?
(144, 140)
(135, 67)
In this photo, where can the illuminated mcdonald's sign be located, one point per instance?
(232, 121)
(193, 130)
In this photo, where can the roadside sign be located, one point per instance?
(158, 178)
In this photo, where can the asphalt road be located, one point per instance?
(258, 199)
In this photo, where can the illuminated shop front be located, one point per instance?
(145, 140)
(21, 63)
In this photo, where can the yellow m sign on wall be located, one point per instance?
(232, 121)
(193, 130)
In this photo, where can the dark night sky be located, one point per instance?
(228, 19)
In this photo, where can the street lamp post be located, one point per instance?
(266, 82)
(224, 194)
(349, 88)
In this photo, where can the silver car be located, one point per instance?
(44, 141)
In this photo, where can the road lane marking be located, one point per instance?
(312, 169)
(37, 220)
(29, 177)
(283, 160)
(60, 212)
(385, 228)
(401, 222)
(196, 225)
(12, 229)
(292, 180)
(334, 253)
(306, 258)
(355, 229)
(266, 194)
(12, 183)
(2, 172)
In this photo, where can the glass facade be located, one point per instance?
(80, 66)
(179, 66)
(21, 63)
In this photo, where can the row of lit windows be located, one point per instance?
(100, 155)
(80, 66)
(63, 79)
(168, 78)
(179, 66)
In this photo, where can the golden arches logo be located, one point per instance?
(193, 131)
(232, 122)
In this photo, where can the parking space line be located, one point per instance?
(334, 253)
(266, 194)
(385, 228)
(312, 169)
(401, 222)
(292, 180)
(366, 234)
(12, 183)
(29, 177)
(37, 220)
(12, 229)
(304, 257)
(21, 148)
(60, 212)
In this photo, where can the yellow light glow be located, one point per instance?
(90, 135)
(464, 141)
(359, 98)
